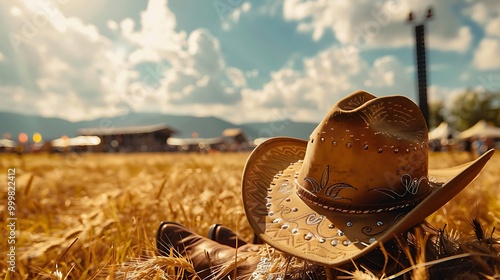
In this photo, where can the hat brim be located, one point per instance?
(281, 219)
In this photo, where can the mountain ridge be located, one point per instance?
(185, 126)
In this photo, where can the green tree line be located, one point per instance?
(466, 110)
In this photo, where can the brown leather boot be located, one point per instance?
(208, 257)
(224, 235)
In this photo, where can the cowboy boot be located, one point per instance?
(207, 256)
(224, 235)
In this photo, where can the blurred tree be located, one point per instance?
(473, 106)
(436, 113)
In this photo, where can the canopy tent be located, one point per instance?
(7, 143)
(443, 131)
(481, 129)
(76, 141)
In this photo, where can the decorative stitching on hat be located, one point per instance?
(368, 230)
(411, 186)
(309, 197)
(288, 215)
(331, 191)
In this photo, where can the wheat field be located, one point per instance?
(90, 216)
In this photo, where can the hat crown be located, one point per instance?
(368, 154)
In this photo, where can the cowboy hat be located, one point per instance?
(360, 179)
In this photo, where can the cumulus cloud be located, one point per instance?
(157, 31)
(193, 68)
(197, 73)
(493, 27)
(307, 91)
(153, 66)
(145, 54)
(483, 11)
(440, 93)
(487, 56)
(55, 73)
(112, 25)
(204, 52)
(230, 12)
(233, 15)
(236, 76)
(252, 73)
(15, 98)
(368, 24)
(389, 72)
(487, 14)
(326, 77)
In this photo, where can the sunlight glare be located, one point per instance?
(15, 11)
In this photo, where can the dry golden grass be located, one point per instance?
(94, 216)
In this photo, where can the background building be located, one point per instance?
(150, 138)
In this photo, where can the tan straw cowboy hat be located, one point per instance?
(360, 179)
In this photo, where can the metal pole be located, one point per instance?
(421, 71)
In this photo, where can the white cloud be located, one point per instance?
(325, 78)
(112, 25)
(154, 67)
(388, 75)
(465, 76)
(16, 99)
(487, 55)
(198, 74)
(367, 24)
(270, 8)
(236, 76)
(486, 14)
(204, 50)
(60, 77)
(384, 71)
(244, 8)
(439, 93)
(493, 27)
(233, 16)
(478, 12)
(127, 26)
(308, 93)
(2, 57)
(144, 55)
(195, 70)
(483, 11)
(460, 43)
(252, 73)
(15, 11)
(158, 28)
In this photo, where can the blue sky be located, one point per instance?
(238, 60)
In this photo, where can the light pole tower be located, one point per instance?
(421, 62)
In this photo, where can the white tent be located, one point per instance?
(7, 143)
(76, 141)
(481, 128)
(443, 131)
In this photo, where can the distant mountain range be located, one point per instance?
(185, 126)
